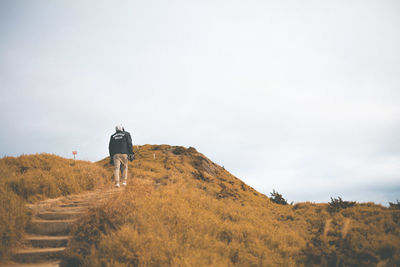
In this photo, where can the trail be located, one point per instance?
(47, 236)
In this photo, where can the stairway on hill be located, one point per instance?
(47, 236)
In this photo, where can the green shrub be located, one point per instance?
(395, 206)
(278, 198)
(179, 150)
(337, 204)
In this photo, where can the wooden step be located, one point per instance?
(47, 263)
(68, 209)
(50, 227)
(59, 215)
(79, 204)
(44, 241)
(38, 254)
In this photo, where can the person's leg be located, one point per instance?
(117, 163)
(124, 162)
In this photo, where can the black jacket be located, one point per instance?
(120, 143)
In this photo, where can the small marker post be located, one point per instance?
(74, 153)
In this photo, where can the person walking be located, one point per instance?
(120, 147)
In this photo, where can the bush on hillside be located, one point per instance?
(179, 150)
(395, 206)
(88, 233)
(278, 198)
(337, 204)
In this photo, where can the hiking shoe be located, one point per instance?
(117, 185)
(124, 183)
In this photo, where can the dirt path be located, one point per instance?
(47, 236)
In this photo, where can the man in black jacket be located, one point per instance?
(120, 146)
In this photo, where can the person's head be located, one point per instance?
(119, 128)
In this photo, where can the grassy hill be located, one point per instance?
(181, 209)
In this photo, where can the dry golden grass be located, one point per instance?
(40, 176)
(181, 226)
(180, 209)
(29, 178)
(13, 218)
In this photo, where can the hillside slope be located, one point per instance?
(181, 209)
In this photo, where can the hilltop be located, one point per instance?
(164, 164)
(181, 209)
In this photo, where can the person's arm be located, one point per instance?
(110, 151)
(129, 143)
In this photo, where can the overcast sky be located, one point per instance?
(298, 96)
